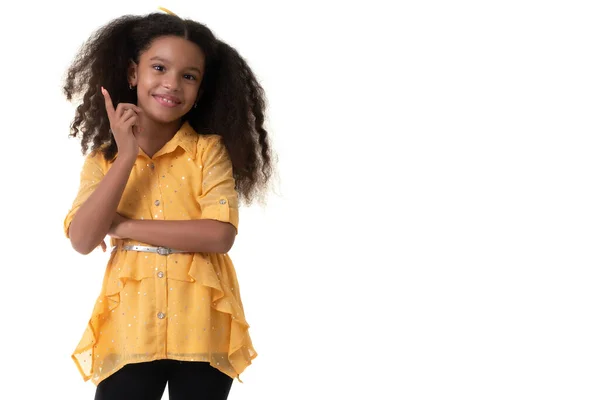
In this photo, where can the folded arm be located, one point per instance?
(197, 236)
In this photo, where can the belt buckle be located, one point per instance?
(164, 251)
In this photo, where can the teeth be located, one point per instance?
(167, 100)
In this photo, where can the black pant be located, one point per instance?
(147, 380)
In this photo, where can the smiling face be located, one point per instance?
(168, 77)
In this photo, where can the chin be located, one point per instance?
(167, 120)
(164, 118)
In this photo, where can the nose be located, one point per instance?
(171, 82)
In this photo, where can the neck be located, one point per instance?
(155, 135)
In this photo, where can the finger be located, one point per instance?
(133, 124)
(131, 120)
(103, 245)
(127, 114)
(110, 109)
(123, 107)
(130, 105)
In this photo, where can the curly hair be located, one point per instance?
(232, 104)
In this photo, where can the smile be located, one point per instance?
(166, 102)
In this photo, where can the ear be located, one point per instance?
(132, 73)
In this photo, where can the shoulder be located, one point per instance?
(95, 158)
(207, 140)
(203, 142)
(209, 143)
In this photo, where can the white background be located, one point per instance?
(434, 230)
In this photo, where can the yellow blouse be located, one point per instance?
(182, 306)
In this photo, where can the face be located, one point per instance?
(168, 77)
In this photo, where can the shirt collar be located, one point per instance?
(186, 138)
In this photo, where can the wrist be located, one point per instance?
(129, 227)
(124, 229)
(126, 159)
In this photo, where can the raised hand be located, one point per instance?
(124, 123)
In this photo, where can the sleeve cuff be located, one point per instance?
(67, 223)
(221, 211)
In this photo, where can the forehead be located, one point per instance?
(175, 50)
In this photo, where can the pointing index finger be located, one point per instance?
(110, 109)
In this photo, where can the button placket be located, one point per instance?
(158, 211)
(161, 308)
(155, 199)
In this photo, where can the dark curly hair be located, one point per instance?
(232, 104)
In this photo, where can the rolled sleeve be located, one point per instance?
(90, 177)
(218, 198)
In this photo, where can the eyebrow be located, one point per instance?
(166, 62)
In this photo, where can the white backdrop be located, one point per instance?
(434, 231)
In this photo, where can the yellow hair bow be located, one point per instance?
(167, 11)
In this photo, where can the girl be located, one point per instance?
(174, 121)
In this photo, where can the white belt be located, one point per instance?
(163, 251)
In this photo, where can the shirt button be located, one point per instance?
(222, 201)
(152, 166)
(160, 315)
(157, 203)
(160, 274)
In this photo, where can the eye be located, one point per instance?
(190, 77)
(158, 67)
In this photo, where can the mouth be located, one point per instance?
(167, 101)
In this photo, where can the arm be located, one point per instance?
(197, 236)
(216, 228)
(94, 218)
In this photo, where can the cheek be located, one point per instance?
(191, 94)
(145, 82)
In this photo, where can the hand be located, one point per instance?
(124, 124)
(116, 229)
